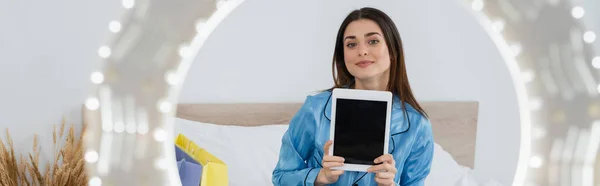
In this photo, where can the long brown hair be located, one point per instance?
(398, 83)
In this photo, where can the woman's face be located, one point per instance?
(365, 50)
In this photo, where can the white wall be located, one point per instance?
(47, 51)
(250, 57)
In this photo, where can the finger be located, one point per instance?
(327, 145)
(389, 168)
(385, 158)
(332, 164)
(384, 181)
(384, 167)
(337, 172)
(333, 159)
(376, 168)
(385, 175)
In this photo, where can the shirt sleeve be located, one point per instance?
(418, 164)
(297, 144)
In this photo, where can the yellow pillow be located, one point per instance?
(214, 171)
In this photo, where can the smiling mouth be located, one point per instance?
(364, 63)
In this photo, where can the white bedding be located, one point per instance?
(251, 154)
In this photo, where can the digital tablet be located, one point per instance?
(360, 127)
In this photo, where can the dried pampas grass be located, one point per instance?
(67, 168)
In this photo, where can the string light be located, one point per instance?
(535, 162)
(528, 76)
(160, 163)
(538, 133)
(91, 156)
(200, 25)
(477, 5)
(589, 37)
(165, 106)
(119, 127)
(95, 181)
(97, 77)
(92, 103)
(160, 135)
(114, 26)
(498, 25)
(172, 78)
(596, 62)
(104, 52)
(578, 12)
(535, 104)
(516, 49)
(221, 3)
(184, 51)
(142, 129)
(128, 4)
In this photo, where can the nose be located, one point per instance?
(362, 50)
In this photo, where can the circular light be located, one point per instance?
(160, 163)
(97, 77)
(516, 49)
(596, 62)
(578, 12)
(128, 4)
(114, 26)
(528, 76)
(200, 25)
(107, 128)
(498, 25)
(477, 5)
(119, 127)
(92, 104)
(95, 181)
(104, 52)
(535, 162)
(184, 51)
(535, 104)
(91, 157)
(221, 3)
(589, 37)
(538, 133)
(165, 106)
(130, 128)
(160, 135)
(171, 78)
(142, 129)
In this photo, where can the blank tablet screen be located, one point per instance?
(359, 130)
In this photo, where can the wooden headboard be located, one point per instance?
(454, 123)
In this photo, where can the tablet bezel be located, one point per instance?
(355, 94)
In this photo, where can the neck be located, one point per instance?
(377, 83)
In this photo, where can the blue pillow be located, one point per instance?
(190, 171)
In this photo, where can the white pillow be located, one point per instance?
(251, 153)
(444, 169)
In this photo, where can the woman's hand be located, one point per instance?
(326, 175)
(386, 171)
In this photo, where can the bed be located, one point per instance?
(247, 137)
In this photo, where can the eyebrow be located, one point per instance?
(366, 35)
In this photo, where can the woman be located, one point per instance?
(368, 55)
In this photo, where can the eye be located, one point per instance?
(351, 45)
(372, 42)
